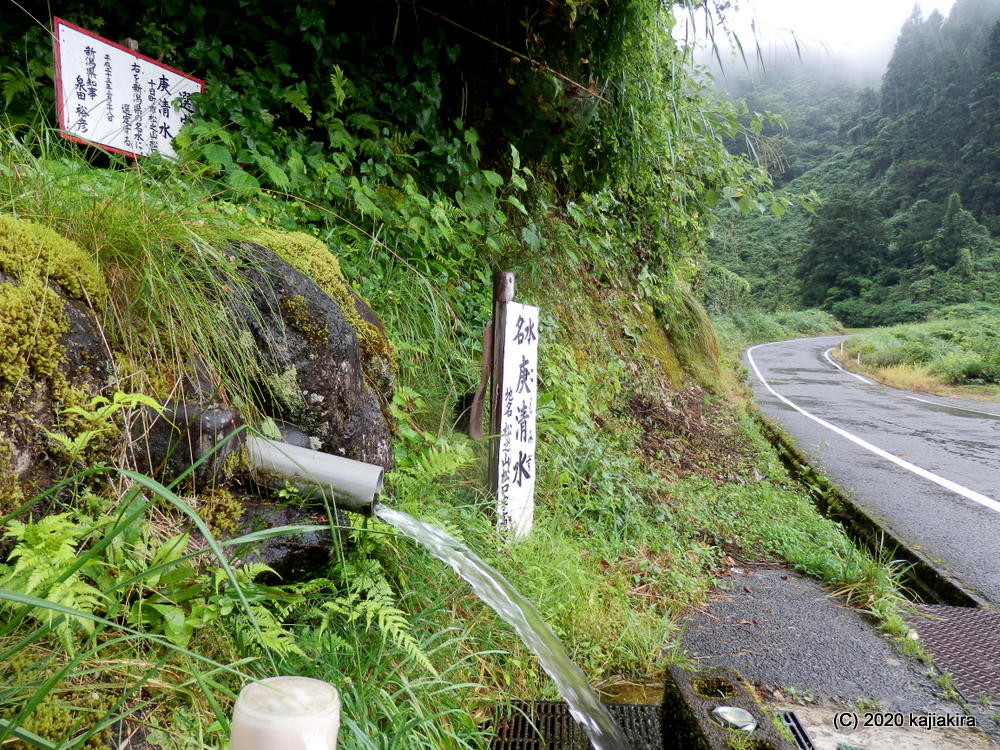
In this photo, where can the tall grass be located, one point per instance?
(164, 247)
(949, 351)
(739, 328)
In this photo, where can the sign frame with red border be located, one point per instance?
(60, 108)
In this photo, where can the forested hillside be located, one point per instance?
(908, 172)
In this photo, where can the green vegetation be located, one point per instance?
(907, 174)
(741, 321)
(423, 158)
(959, 348)
(738, 329)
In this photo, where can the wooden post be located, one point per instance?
(503, 292)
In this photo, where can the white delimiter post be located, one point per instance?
(513, 407)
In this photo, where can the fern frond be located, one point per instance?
(362, 121)
(390, 621)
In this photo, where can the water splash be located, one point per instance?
(520, 614)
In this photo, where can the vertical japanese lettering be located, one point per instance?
(138, 138)
(186, 106)
(90, 67)
(516, 455)
(152, 117)
(109, 90)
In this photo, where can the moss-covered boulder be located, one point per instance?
(310, 257)
(328, 361)
(316, 357)
(52, 353)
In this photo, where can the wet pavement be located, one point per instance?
(805, 649)
(924, 467)
(788, 634)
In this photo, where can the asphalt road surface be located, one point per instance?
(926, 468)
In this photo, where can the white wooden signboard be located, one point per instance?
(516, 470)
(112, 97)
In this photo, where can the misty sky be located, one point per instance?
(862, 31)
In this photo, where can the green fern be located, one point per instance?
(377, 607)
(419, 470)
(97, 413)
(43, 552)
(272, 634)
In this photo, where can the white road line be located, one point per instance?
(952, 406)
(919, 471)
(844, 369)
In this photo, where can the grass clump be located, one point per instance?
(942, 352)
(145, 245)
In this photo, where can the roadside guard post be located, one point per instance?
(513, 402)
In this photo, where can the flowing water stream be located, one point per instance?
(521, 615)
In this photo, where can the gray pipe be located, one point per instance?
(354, 484)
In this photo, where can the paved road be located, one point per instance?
(925, 467)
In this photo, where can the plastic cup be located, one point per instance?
(286, 713)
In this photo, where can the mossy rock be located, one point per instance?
(32, 322)
(320, 380)
(65, 712)
(655, 345)
(310, 256)
(11, 495)
(52, 355)
(30, 251)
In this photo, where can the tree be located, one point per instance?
(982, 153)
(909, 230)
(959, 231)
(847, 243)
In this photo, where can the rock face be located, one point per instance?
(60, 360)
(318, 380)
(327, 365)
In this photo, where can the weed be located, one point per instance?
(795, 695)
(946, 686)
(934, 356)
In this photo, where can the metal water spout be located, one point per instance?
(354, 485)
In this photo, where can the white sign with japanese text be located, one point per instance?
(112, 97)
(516, 470)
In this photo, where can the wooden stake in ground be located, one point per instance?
(513, 405)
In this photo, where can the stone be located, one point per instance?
(73, 363)
(317, 378)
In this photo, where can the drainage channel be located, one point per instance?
(920, 574)
(548, 725)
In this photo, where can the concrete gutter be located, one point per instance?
(933, 585)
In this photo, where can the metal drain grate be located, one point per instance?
(965, 641)
(793, 725)
(548, 725)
